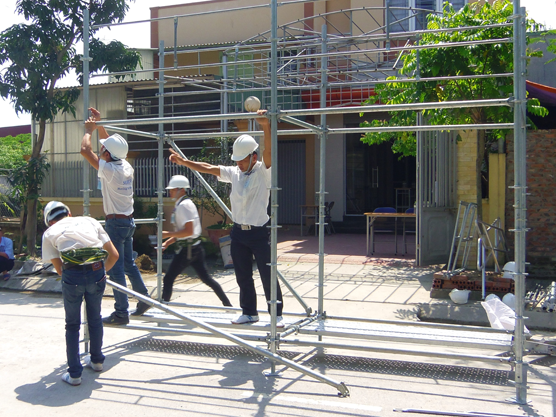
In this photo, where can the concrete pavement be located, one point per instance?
(152, 374)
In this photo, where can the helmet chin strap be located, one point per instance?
(248, 172)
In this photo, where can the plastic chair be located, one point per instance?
(384, 225)
(409, 227)
(328, 217)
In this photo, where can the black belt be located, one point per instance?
(118, 216)
(89, 267)
(247, 226)
(186, 243)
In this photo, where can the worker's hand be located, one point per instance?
(263, 121)
(90, 125)
(95, 114)
(175, 158)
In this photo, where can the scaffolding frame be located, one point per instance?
(339, 53)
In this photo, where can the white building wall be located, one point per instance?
(63, 137)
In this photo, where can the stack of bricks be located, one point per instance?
(462, 282)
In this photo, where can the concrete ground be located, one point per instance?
(158, 374)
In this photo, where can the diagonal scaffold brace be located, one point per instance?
(343, 391)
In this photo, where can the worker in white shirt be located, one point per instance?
(250, 180)
(81, 252)
(187, 229)
(116, 182)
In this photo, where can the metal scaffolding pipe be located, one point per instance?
(340, 386)
(520, 192)
(378, 108)
(429, 353)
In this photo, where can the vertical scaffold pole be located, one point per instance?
(86, 59)
(519, 196)
(86, 204)
(274, 177)
(160, 173)
(322, 166)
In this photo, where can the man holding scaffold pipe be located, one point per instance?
(250, 180)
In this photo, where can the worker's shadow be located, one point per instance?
(51, 391)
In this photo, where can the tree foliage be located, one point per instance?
(37, 54)
(477, 59)
(12, 150)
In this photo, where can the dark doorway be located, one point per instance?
(376, 177)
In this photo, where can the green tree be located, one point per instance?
(12, 150)
(477, 59)
(38, 54)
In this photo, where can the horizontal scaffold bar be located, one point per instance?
(377, 108)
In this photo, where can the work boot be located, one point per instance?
(142, 308)
(114, 319)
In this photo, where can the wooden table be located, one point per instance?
(371, 217)
(309, 211)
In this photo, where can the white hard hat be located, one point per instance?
(116, 145)
(178, 181)
(508, 269)
(53, 209)
(509, 300)
(459, 296)
(244, 146)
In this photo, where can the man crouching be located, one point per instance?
(81, 252)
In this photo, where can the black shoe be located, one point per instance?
(142, 308)
(115, 319)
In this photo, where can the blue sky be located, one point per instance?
(543, 11)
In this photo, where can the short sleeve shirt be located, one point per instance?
(72, 233)
(184, 212)
(116, 182)
(250, 193)
(7, 246)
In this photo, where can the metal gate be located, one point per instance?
(436, 195)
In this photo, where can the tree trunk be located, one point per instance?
(32, 195)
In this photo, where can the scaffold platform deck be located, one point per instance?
(380, 330)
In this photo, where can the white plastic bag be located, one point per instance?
(499, 314)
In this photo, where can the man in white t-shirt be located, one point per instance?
(187, 229)
(250, 180)
(116, 182)
(81, 252)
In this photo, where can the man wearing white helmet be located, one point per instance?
(116, 182)
(81, 252)
(187, 229)
(250, 180)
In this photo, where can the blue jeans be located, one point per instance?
(76, 285)
(121, 234)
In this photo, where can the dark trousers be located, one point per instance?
(76, 286)
(197, 261)
(6, 264)
(245, 245)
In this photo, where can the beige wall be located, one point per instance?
(219, 27)
(235, 26)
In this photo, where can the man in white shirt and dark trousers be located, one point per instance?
(116, 182)
(81, 251)
(187, 229)
(250, 180)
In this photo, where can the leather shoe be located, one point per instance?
(141, 309)
(114, 319)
